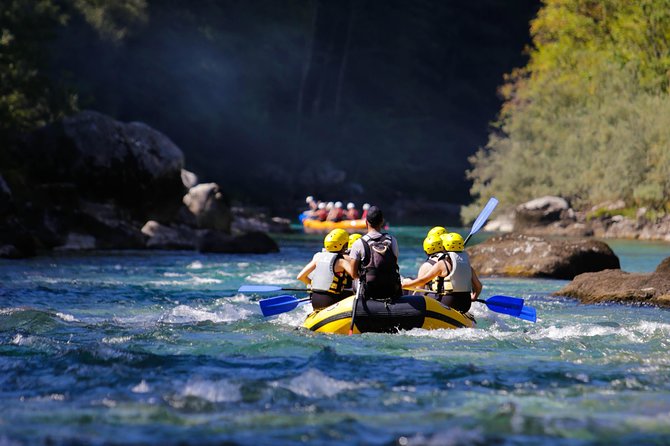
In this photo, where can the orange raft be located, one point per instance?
(347, 225)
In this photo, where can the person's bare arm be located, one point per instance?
(424, 278)
(354, 263)
(345, 264)
(476, 286)
(303, 275)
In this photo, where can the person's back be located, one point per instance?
(352, 212)
(464, 281)
(375, 260)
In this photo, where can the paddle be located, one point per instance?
(353, 309)
(280, 304)
(266, 289)
(528, 313)
(481, 219)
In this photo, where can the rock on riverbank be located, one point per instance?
(553, 216)
(620, 286)
(522, 255)
(91, 182)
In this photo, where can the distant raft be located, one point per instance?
(375, 316)
(324, 226)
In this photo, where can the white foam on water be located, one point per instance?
(204, 280)
(142, 387)
(192, 280)
(243, 265)
(19, 339)
(222, 391)
(168, 274)
(196, 264)
(293, 318)
(315, 384)
(561, 333)
(654, 328)
(67, 317)
(183, 314)
(275, 276)
(117, 340)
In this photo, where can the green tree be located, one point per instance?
(584, 118)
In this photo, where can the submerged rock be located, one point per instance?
(522, 255)
(620, 286)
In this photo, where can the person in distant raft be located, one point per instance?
(455, 268)
(374, 259)
(329, 272)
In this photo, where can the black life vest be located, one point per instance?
(379, 271)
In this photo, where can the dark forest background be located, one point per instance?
(353, 100)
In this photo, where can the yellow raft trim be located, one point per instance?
(336, 318)
(352, 225)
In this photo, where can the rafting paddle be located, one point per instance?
(481, 219)
(280, 304)
(528, 314)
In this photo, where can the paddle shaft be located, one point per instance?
(353, 309)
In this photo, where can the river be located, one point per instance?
(138, 347)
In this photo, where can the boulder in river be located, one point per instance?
(132, 164)
(620, 286)
(522, 255)
(206, 202)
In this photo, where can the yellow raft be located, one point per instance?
(348, 225)
(374, 316)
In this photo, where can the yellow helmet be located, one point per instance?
(453, 241)
(352, 239)
(335, 240)
(432, 244)
(437, 230)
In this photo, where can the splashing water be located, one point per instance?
(158, 348)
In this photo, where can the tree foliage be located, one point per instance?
(29, 97)
(586, 118)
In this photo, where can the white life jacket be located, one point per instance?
(461, 272)
(324, 278)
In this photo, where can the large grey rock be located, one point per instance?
(533, 256)
(206, 202)
(131, 164)
(620, 286)
(169, 237)
(539, 211)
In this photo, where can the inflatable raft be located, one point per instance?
(347, 225)
(376, 316)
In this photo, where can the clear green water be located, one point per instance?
(154, 348)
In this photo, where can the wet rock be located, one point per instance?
(540, 211)
(620, 286)
(77, 242)
(522, 255)
(206, 203)
(169, 237)
(248, 243)
(131, 163)
(248, 220)
(188, 179)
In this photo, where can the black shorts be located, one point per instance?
(323, 300)
(460, 301)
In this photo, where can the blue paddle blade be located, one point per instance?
(258, 288)
(484, 215)
(280, 304)
(528, 314)
(505, 304)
